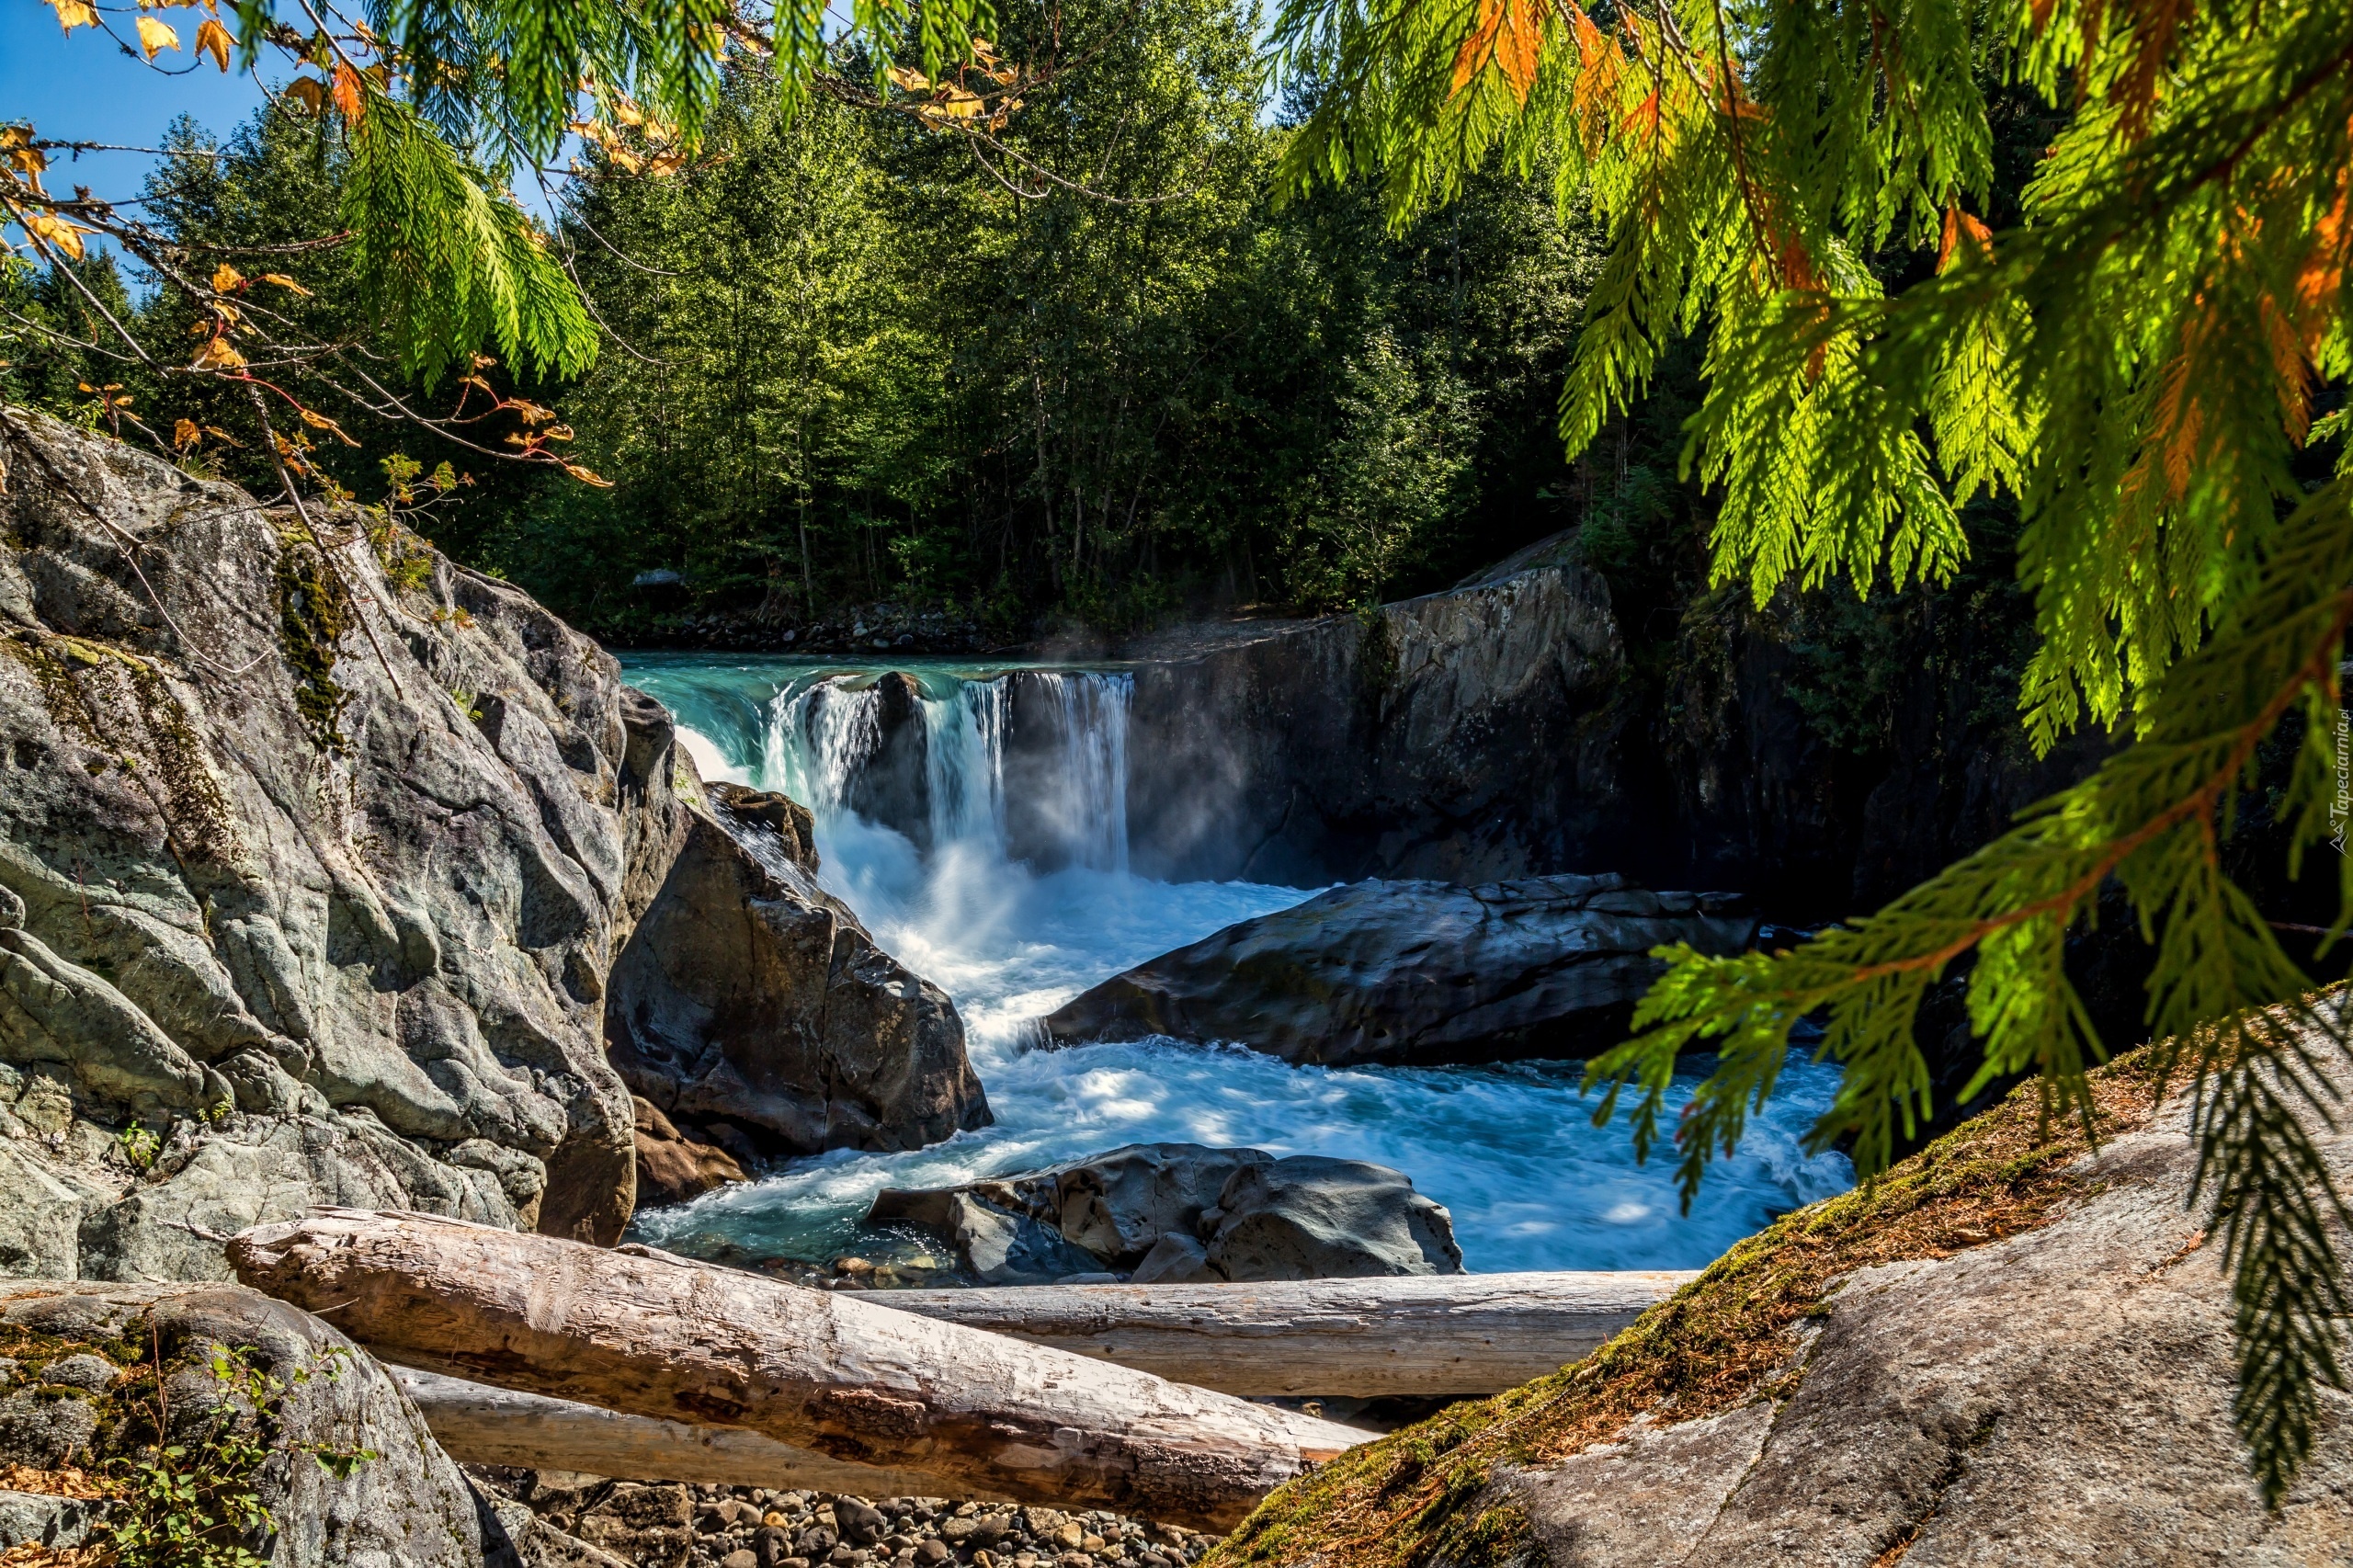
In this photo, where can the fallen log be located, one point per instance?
(650, 1334)
(1427, 1335)
(479, 1424)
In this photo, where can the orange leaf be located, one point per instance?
(318, 421)
(1958, 227)
(1510, 34)
(217, 354)
(308, 91)
(283, 282)
(227, 279)
(350, 99)
(51, 230)
(214, 39)
(155, 36)
(186, 435)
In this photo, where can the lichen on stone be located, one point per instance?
(315, 612)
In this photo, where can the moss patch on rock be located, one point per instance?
(314, 613)
(1419, 1497)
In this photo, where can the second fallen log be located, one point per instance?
(651, 1334)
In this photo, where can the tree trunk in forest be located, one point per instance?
(1424, 1335)
(651, 1334)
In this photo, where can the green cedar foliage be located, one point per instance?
(2138, 363)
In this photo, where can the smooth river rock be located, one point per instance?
(1184, 1212)
(1418, 972)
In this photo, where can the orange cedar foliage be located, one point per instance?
(1960, 226)
(347, 95)
(1511, 34)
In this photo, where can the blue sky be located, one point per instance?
(84, 88)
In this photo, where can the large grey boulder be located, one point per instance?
(317, 852)
(1179, 1212)
(755, 1013)
(408, 1505)
(1415, 973)
(312, 843)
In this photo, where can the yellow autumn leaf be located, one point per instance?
(155, 36)
(909, 79)
(186, 435)
(216, 41)
(227, 279)
(217, 354)
(55, 230)
(308, 91)
(585, 477)
(629, 113)
(74, 14)
(318, 421)
(283, 282)
(960, 103)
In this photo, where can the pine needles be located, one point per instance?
(2140, 367)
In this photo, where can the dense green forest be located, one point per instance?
(846, 361)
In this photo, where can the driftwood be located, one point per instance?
(1445, 1334)
(480, 1424)
(650, 1334)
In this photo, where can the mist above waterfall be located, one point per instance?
(976, 818)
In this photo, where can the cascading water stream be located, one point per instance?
(995, 863)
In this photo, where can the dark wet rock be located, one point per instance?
(750, 1006)
(1311, 1217)
(1415, 973)
(1177, 1213)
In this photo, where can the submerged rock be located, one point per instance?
(1177, 1213)
(1420, 973)
(754, 1012)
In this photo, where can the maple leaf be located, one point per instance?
(75, 14)
(227, 279)
(308, 91)
(155, 36)
(186, 435)
(283, 282)
(217, 354)
(214, 39)
(909, 79)
(51, 230)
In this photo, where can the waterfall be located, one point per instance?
(964, 764)
(1093, 710)
(1031, 765)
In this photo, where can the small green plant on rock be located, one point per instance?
(140, 1146)
(195, 1504)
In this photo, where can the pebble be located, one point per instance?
(672, 1526)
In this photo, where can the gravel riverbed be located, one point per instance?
(582, 1522)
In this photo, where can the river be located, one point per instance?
(1510, 1150)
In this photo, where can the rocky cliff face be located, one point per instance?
(1502, 730)
(315, 852)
